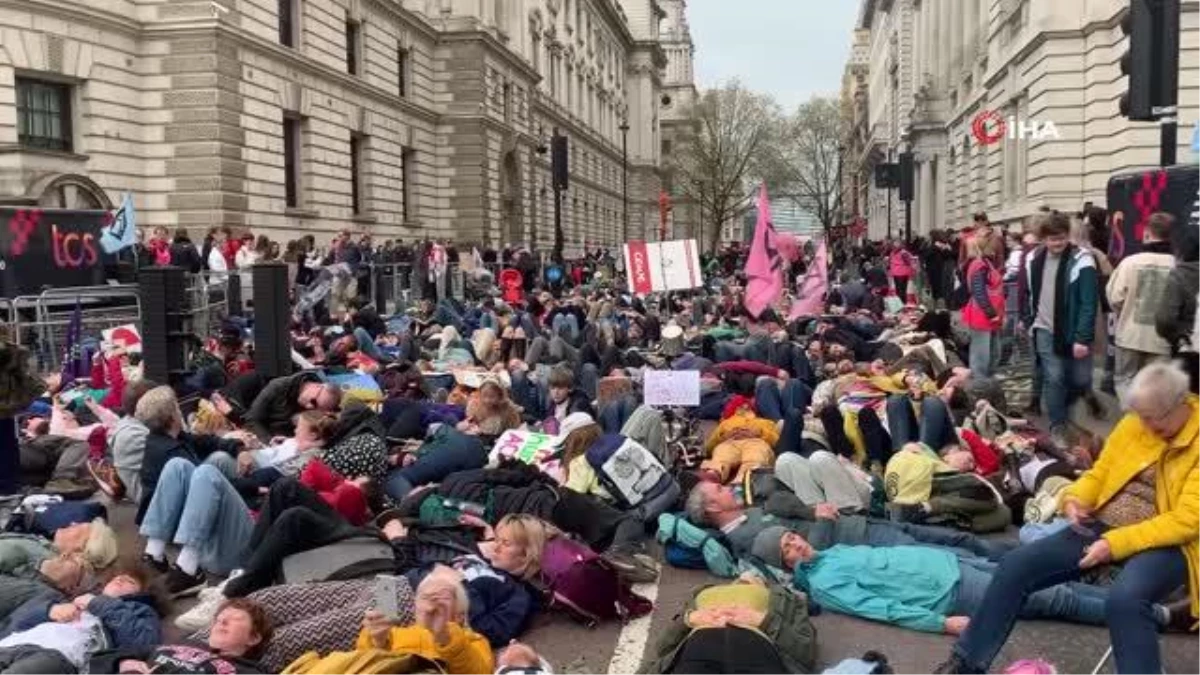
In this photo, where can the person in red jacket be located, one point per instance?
(984, 312)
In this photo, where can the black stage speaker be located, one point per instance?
(165, 307)
(906, 177)
(558, 161)
(272, 320)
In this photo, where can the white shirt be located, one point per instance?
(217, 265)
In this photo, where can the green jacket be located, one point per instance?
(786, 625)
(1076, 299)
(21, 555)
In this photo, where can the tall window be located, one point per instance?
(43, 114)
(407, 156)
(291, 161)
(288, 22)
(353, 40)
(507, 93)
(536, 54)
(356, 158)
(402, 70)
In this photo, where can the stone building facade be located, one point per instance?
(678, 96)
(934, 66)
(399, 118)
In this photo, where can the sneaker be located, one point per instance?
(180, 584)
(105, 475)
(1179, 615)
(1060, 437)
(954, 664)
(159, 565)
(201, 616)
(634, 568)
(905, 513)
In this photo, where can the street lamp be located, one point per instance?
(624, 178)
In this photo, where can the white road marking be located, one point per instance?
(631, 643)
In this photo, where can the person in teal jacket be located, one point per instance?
(918, 587)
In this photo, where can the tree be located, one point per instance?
(807, 159)
(725, 159)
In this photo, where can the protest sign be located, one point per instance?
(663, 266)
(672, 387)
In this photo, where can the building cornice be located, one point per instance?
(496, 47)
(407, 17)
(76, 14)
(291, 58)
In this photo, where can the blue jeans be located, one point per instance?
(1063, 379)
(196, 506)
(1031, 532)
(566, 326)
(447, 451)
(1147, 577)
(935, 429)
(366, 345)
(965, 544)
(984, 352)
(1075, 602)
(615, 414)
(531, 395)
(772, 402)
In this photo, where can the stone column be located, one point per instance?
(941, 52)
(954, 38)
(927, 196)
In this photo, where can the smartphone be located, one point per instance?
(387, 588)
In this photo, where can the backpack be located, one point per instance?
(627, 469)
(578, 581)
(363, 661)
(690, 547)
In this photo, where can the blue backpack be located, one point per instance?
(627, 469)
(690, 547)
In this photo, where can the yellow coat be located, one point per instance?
(466, 652)
(1130, 449)
(760, 427)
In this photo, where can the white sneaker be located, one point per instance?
(201, 616)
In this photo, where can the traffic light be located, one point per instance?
(1152, 60)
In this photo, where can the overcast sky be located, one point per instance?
(792, 49)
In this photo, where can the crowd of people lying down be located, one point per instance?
(440, 478)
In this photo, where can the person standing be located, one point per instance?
(1176, 317)
(1061, 313)
(1135, 291)
(984, 311)
(900, 266)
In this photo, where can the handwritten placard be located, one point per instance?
(672, 387)
(529, 447)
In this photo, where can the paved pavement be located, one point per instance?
(615, 648)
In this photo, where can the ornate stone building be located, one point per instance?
(678, 96)
(936, 65)
(400, 118)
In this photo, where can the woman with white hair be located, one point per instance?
(1140, 506)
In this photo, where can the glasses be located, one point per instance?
(1157, 417)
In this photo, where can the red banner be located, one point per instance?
(638, 267)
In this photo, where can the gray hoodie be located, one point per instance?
(127, 444)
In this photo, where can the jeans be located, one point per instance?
(886, 533)
(1031, 532)
(821, 478)
(589, 379)
(551, 352)
(984, 352)
(613, 416)
(772, 401)
(935, 429)
(901, 288)
(531, 395)
(1063, 378)
(448, 451)
(366, 345)
(1075, 602)
(565, 326)
(198, 507)
(1147, 577)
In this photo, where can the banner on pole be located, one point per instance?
(663, 266)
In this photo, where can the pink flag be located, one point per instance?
(810, 297)
(764, 267)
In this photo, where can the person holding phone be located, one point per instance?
(1140, 506)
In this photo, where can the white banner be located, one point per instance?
(671, 387)
(671, 266)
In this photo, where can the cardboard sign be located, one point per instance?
(672, 387)
(530, 448)
(50, 247)
(663, 266)
(125, 336)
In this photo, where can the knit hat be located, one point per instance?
(573, 422)
(735, 403)
(767, 545)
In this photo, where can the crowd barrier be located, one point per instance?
(41, 322)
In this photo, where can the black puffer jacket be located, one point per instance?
(1176, 317)
(276, 405)
(508, 490)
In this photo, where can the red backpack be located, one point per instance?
(584, 585)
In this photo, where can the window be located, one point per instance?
(288, 22)
(291, 161)
(666, 147)
(402, 70)
(406, 187)
(353, 40)
(356, 159)
(507, 101)
(43, 114)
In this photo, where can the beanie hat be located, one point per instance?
(735, 403)
(767, 546)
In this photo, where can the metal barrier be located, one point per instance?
(401, 286)
(40, 322)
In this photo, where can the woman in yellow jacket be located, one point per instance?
(1139, 506)
(741, 442)
(440, 634)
